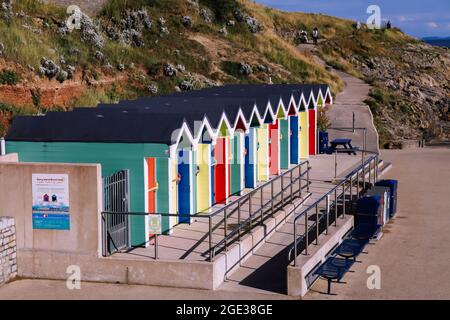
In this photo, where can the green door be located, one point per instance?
(236, 164)
(284, 143)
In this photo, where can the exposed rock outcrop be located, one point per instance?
(420, 87)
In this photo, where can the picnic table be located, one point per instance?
(345, 145)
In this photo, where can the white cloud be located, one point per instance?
(432, 25)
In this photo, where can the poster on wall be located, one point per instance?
(50, 201)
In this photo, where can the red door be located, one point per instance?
(312, 132)
(152, 185)
(273, 148)
(220, 172)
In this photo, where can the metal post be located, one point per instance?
(327, 211)
(364, 177)
(225, 227)
(291, 187)
(353, 122)
(295, 243)
(239, 220)
(282, 190)
(156, 246)
(351, 188)
(271, 197)
(343, 201)
(103, 236)
(210, 238)
(307, 177)
(300, 180)
(376, 168)
(335, 164)
(357, 185)
(317, 224)
(335, 208)
(262, 205)
(250, 210)
(306, 233)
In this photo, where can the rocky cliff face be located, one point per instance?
(417, 86)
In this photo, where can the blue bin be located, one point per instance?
(393, 186)
(385, 195)
(369, 210)
(323, 142)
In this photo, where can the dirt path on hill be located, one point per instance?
(347, 103)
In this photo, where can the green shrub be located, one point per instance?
(9, 77)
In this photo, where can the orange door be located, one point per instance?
(152, 185)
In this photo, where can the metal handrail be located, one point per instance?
(238, 203)
(247, 221)
(342, 184)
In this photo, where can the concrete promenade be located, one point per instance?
(414, 252)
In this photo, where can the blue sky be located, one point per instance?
(418, 18)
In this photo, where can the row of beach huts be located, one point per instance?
(184, 152)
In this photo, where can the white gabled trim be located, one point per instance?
(300, 101)
(179, 133)
(204, 125)
(256, 113)
(269, 109)
(240, 116)
(314, 100)
(224, 119)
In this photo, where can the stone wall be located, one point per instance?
(8, 254)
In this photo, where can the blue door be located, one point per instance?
(212, 175)
(250, 160)
(294, 139)
(184, 188)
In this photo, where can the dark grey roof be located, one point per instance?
(107, 127)
(154, 119)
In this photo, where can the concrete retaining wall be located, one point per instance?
(8, 254)
(48, 253)
(296, 276)
(10, 157)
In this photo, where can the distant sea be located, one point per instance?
(440, 42)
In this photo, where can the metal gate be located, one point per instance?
(115, 217)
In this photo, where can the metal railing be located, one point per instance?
(330, 202)
(283, 189)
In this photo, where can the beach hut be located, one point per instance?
(312, 121)
(95, 138)
(303, 127)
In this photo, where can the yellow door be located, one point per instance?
(203, 177)
(304, 141)
(263, 153)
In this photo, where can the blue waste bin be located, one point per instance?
(368, 211)
(385, 195)
(393, 186)
(323, 142)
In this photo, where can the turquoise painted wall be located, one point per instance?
(113, 157)
(284, 143)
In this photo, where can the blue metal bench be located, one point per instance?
(365, 231)
(350, 248)
(334, 268)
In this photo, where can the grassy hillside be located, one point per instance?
(119, 57)
(147, 47)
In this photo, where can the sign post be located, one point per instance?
(155, 227)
